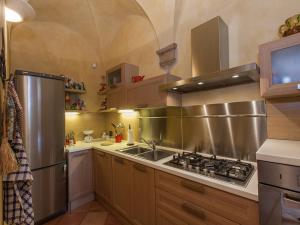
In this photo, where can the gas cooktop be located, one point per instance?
(231, 171)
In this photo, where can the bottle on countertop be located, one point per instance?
(130, 136)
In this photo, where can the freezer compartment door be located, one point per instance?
(44, 119)
(49, 191)
(278, 206)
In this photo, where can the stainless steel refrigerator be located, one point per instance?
(43, 100)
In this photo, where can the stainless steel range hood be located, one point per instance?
(210, 61)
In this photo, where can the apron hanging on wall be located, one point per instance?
(17, 185)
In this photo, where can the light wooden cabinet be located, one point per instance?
(103, 175)
(121, 75)
(122, 185)
(143, 195)
(164, 218)
(280, 67)
(142, 94)
(80, 171)
(209, 200)
(184, 210)
(116, 97)
(147, 93)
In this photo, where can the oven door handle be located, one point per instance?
(290, 209)
(292, 201)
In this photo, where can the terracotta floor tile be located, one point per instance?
(95, 218)
(54, 221)
(84, 208)
(72, 219)
(111, 220)
(96, 207)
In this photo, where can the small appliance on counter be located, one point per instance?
(88, 136)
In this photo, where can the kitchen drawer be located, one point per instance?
(164, 218)
(232, 207)
(186, 211)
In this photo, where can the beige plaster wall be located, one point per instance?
(85, 121)
(250, 24)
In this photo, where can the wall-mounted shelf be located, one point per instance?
(75, 91)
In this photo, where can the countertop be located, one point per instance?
(249, 192)
(280, 151)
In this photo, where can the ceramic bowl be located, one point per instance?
(88, 132)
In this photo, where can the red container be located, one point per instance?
(137, 78)
(118, 138)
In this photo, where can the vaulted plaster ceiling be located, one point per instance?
(104, 31)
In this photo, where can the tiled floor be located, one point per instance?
(92, 213)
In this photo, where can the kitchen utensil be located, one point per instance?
(88, 138)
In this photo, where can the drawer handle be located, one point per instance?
(140, 168)
(101, 154)
(193, 187)
(119, 160)
(193, 210)
(292, 201)
(80, 153)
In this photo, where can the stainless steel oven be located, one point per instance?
(279, 193)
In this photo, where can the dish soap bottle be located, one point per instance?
(130, 136)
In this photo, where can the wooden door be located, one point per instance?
(80, 174)
(122, 185)
(103, 175)
(143, 198)
(279, 67)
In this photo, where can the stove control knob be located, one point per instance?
(190, 167)
(184, 164)
(197, 168)
(212, 173)
(205, 171)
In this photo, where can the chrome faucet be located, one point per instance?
(151, 143)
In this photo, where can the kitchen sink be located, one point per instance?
(156, 155)
(135, 151)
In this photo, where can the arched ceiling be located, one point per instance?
(106, 31)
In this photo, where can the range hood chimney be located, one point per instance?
(210, 61)
(210, 47)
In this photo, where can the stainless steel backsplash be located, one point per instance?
(233, 130)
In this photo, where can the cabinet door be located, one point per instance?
(116, 97)
(280, 67)
(189, 212)
(103, 175)
(146, 93)
(80, 174)
(122, 185)
(143, 198)
(164, 218)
